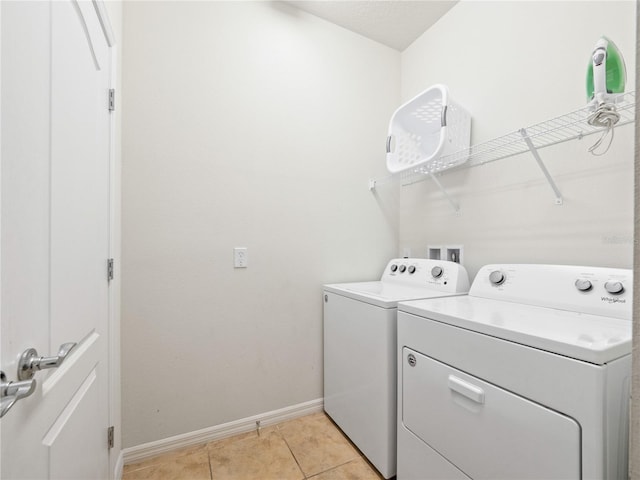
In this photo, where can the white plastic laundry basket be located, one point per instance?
(425, 130)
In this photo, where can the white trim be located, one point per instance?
(117, 471)
(116, 459)
(146, 450)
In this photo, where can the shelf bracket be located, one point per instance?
(455, 206)
(534, 152)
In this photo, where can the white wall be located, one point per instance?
(245, 124)
(249, 124)
(513, 64)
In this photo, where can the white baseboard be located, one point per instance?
(147, 450)
(117, 473)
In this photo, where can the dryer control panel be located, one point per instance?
(438, 274)
(593, 290)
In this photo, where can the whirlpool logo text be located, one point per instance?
(613, 300)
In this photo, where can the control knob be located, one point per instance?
(412, 269)
(403, 268)
(436, 272)
(497, 277)
(583, 285)
(394, 267)
(614, 288)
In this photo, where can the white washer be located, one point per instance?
(526, 377)
(360, 350)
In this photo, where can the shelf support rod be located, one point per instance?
(455, 206)
(536, 155)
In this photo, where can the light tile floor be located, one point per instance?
(309, 447)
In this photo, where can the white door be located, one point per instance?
(55, 124)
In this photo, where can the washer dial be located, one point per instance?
(583, 285)
(497, 277)
(436, 272)
(614, 287)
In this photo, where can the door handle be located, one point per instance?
(11, 392)
(30, 362)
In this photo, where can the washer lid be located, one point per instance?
(383, 294)
(592, 338)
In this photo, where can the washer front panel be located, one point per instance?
(360, 376)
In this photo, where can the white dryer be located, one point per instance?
(526, 377)
(360, 356)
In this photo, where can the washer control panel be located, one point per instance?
(420, 272)
(594, 290)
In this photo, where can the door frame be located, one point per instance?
(116, 462)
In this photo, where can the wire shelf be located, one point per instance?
(561, 129)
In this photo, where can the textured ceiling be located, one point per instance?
(395, 23)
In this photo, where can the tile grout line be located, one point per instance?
(332, 468)
(308, 477)
(304, 475)
(209, 459)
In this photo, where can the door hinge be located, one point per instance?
(112, 99)
(110, 269)
(110, 436)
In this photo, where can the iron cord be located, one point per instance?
(604, 116)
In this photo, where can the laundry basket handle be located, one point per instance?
(443, 116)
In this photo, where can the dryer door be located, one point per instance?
(485, 431)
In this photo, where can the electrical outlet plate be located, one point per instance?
(240, 257)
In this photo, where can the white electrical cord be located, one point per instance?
(604, 116)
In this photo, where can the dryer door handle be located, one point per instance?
(466, 389)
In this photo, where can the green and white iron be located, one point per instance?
(606, 78)
(606, 74)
